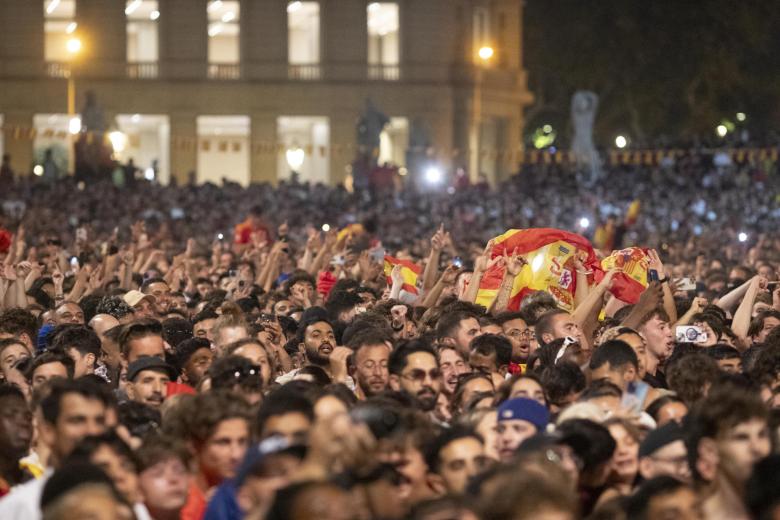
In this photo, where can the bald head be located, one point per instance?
(102, 322)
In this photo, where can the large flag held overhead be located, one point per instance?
(409, 270)
(628, 284)
(549, 254)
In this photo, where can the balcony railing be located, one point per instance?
(224, 71)
(57, 69)
(384, 72)
(308, 72)
(143, 70)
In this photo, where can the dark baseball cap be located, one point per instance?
(660, 437)
(150, 363)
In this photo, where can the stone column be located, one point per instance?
(184, 146)
(262, 161)
(18, 144)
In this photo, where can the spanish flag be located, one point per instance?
(409, 270)
(350, 231)
(631, 282)
(549, 254)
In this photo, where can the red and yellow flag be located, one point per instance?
(549, 254)
(631, 282)
(409, 270)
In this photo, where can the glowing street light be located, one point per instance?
(621, 141)
(721, 130)
(486, 52)
(741, 116)
(118, 141)
(295, 157)
(74, 125)
(73, 45)
(433, 175)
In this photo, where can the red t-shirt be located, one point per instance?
(195, 507)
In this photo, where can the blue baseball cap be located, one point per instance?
(522, 409)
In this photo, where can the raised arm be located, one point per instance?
(512, 266)
(431, 272)
(668, 296)
(741, 322)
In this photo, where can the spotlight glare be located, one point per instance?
(38, 170)
(721, 130)
(742, 237)
(433, 175)
(584, 222)
(326, 227)
(621, 141)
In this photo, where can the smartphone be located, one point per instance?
(74, 262)
(690, 334)
(267, 318)
(457, 262)
(338, 260)
(232, 273)
(686, 284)
(652, 275)
(631, 401)
(772, 284)
(220, 236)
(377, 254)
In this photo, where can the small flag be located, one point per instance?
(409, 270)
(631, 282)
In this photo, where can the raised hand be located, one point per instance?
(514, 263)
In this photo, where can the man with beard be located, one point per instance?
(15, 436)
(371, 352)
(414, 371)
(317, 346)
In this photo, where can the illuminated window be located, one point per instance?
(224, 32)
(383, 33)
(303, 33)
(142, 40)
(59, 26)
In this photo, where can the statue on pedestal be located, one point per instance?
(583, 115)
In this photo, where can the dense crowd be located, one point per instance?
(188, 352)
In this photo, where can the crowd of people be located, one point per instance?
(164, 358)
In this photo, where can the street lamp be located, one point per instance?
(73, 46)
(486, 52)
(295, 157)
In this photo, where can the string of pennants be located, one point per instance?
(613, 157)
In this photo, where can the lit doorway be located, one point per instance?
(223, 149)
(305, 143)
(394, 142)
(145, 138)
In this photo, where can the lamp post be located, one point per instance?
(485, 54)
(73, 47)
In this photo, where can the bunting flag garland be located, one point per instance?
(409, 270)
(549, 254)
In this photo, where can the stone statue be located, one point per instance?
(583, 115)
(92, 118)
(92, 152)
(370, 125)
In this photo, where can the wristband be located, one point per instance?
(663, 280)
